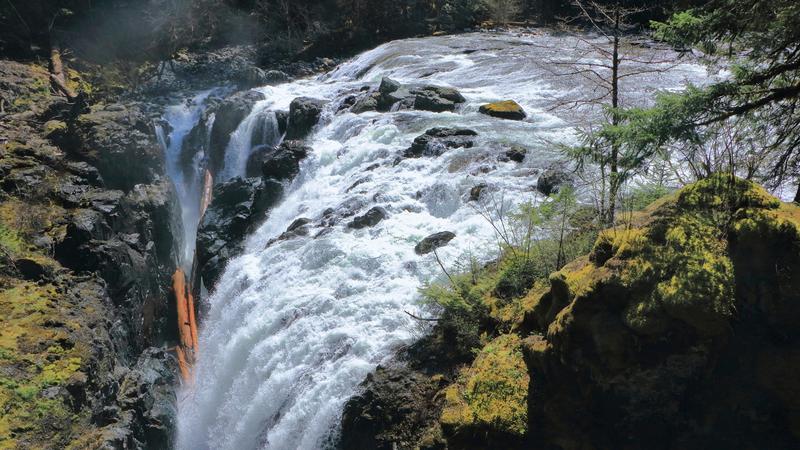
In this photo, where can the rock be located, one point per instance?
(476, 191)
(149, 393)
(370, 219)
(304, 114)
(433, 242)
(280, 163)
(30, 269)
(437, 99)
(552, 179)
(640, 343)
(238, 207)
(392, 411)
(297, 224)
(388, 86)
(251, 76)
(365, 103)
(516, 154)
(228, 115)
(391, 95)
(436, 141)
(130, 153)
(508, 109)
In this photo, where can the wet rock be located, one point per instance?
(298, 228)
(552, 179)
(433, 242)
(304, 114)
(395, 407)
(508, 109)
(516, 154)
(369, 102)
(437, 99)
(391, 94)
(436, 141)
(388, 86)
(130, 154)
(280, 163)
(228, 115)
(148, 394)
(370, 219)
(238, 207)
(476, 191)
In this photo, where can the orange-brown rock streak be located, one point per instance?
(187, 325)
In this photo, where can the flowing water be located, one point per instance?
(181, 119)
(293, 328)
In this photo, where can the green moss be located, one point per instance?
(34, 356)
(492, 393)
(38, 89)
(725, 192)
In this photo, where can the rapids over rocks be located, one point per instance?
(294, 326)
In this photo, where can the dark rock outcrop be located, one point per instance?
(281, 163)
(395, 409)
(86, 248)
(436, 141)
(476, 191)
(552, 179)
(433, 242)
(391, 94)
(239, 205)
(304, 114)
(371, 218)
(119, 141)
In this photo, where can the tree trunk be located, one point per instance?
(613, 185)
(797, 195)
(57, 77)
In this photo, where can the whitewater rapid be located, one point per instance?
(293, 328)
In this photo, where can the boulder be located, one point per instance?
(508, 109)
(238, 207)
(516, 154)
(370, 219)
(476, 191)
(433, 242)
(437, 99)
(304, 114)
(280, 163)
(388, 86)
(436, 141)
(391, 94)
(552, 179)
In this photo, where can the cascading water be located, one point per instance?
(295, 326)
(187, 178)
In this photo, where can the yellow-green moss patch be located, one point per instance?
(492, 393)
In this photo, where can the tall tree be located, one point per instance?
(608, 61)
(759, 41)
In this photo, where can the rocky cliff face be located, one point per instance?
(681, 329)
(86, 250)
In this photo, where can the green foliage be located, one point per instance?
(757, 106)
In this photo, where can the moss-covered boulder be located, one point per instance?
(488, 403)
(507, 109)
(668, 334)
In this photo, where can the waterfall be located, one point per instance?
(181, 120)
(295, 326)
